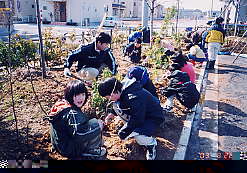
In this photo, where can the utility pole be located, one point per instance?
(177, 17)
(211, 12)
(152, 22)
(40, 40)
(144, 13)
(236, 17)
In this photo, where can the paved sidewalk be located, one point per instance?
(222, 125)
(203, 143)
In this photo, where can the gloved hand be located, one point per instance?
(124, 133)
(67, 72)
(109, 118)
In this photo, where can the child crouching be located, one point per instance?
(180, 87)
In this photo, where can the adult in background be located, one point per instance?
(215, 38)
(92, 58)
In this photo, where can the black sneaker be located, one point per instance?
(151, 152)
(97, 152)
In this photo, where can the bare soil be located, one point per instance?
(34, 139)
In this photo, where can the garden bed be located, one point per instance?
(34, 140)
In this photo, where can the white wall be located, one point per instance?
(81, 9)
(47, 7)
(25, 8)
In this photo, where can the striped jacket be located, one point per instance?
(88, 56)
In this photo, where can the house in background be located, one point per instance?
(118, 8)
(134, 9)
(25, 11)
(6, 7)
(82, 12)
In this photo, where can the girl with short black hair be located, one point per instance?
(73, 133)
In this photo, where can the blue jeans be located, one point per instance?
(193, 57)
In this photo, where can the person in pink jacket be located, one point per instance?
(186, 66)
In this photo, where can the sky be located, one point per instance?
(204, 5)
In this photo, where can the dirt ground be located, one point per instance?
(34, 139)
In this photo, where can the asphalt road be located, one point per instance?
(222, 126)
(232, 104)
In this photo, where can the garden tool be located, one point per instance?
(87, 83)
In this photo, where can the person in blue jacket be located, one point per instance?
(139, 109)
(137, 34)
(133, 51)
(92, 58)
(141, 74)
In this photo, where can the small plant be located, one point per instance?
(55, 48)
(167, 20)
(156, 57)
(178, 39)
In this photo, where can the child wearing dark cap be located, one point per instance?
(141, 74)
(133, 51)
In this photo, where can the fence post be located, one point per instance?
(111, 41)
(82, 38)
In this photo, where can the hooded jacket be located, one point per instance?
(87, 56)
(133, 36)
(141, 75)
(144, 110)
(181, 86)
(72, 132)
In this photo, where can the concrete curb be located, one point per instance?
(241, 55)
(185, 134)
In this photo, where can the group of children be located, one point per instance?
(74, 134)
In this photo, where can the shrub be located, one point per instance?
(20, 50)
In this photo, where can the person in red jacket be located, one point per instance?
(185, 66)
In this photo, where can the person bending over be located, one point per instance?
(139, 109)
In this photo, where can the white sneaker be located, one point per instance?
(168, 109)
(97, 152)
(151, 152)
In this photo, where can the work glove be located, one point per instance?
(124, 133)
(67, 72)
(109, 118)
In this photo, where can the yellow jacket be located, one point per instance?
(215, 36)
